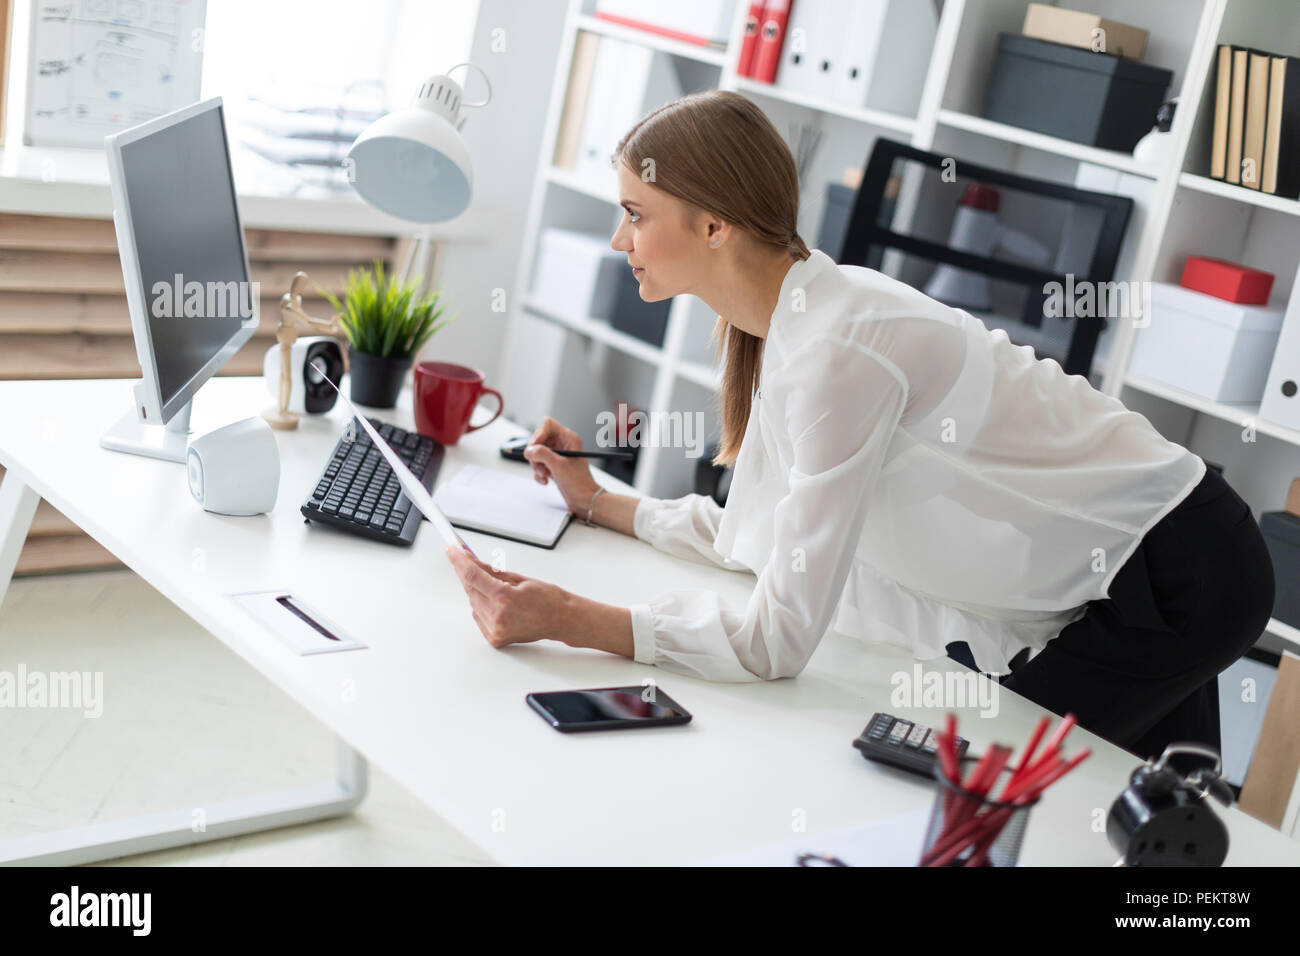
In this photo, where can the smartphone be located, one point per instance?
(608, 708)
(513, 448)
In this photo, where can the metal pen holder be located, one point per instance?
(958, 814)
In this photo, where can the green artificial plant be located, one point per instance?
(383, 317)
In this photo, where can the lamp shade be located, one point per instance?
(412, 163)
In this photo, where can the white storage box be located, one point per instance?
(568, 265)
(1210, 347)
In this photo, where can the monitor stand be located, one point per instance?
(169, 442)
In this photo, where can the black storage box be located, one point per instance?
(618, 298)
(1282, 535)
(1072, 93)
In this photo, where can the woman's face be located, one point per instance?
(657, 234)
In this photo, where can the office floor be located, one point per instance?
(184, 720)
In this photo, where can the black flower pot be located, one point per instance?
(376, 379)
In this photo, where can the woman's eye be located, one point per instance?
(633, 216)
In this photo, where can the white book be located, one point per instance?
(509, 506)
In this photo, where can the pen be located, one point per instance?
(617, 455)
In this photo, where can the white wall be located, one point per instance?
(504, 139)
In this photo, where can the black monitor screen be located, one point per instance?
(189, 245)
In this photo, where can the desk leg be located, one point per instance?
(17, 507)
(160, 831)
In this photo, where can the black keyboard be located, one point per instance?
(358, 492)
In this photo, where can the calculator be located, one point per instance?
(902, 743)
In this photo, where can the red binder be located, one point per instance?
(750, 42)
(771, 37)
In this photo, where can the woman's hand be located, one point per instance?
(512, 609)
(572, 475)
(508, 608)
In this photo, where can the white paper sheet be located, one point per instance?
(405, 477)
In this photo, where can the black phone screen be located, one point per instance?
(608, 708)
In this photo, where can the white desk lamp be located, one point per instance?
(412, 163)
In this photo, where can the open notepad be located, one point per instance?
(506, 505)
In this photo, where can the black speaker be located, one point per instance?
(309, 394)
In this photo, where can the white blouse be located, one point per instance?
(908, 476)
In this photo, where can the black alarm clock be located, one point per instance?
(1163, 819)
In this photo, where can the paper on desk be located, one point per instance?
(405, 477)
(893, 841)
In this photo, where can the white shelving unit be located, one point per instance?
(1179, 210)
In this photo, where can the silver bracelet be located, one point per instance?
(591, 507)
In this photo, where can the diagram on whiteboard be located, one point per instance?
(99, 66)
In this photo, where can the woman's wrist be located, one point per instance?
(602, 627)
(617, 512)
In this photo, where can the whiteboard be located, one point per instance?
(99, 66)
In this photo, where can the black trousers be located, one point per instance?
(1140, 667)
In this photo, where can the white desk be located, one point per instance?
(436, 707)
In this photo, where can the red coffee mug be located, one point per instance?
(446, 395)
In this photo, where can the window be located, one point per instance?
(300, 78)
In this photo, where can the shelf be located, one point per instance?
(1050, 144)
(1231, 413)
(575, 182)
(1217, 187)
(1285, 631)
(900, 124)
(700, 374)
(654, 41)
(601, 332)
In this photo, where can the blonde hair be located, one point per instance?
(719, 152)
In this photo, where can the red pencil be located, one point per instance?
(1034, 739)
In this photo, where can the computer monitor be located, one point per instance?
(188, 286)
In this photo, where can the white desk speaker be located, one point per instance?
(309, 393)
(235, 469)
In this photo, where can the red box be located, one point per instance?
(1227, 280)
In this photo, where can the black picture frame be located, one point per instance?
(864, 232)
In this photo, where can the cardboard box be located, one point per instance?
(1076, 28)
(1272, 775)
(1293, 497)
(6, 27)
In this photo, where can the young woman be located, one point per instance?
(902, 474)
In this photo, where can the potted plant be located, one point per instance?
(386, 324)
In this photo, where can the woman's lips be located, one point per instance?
(636, 271)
